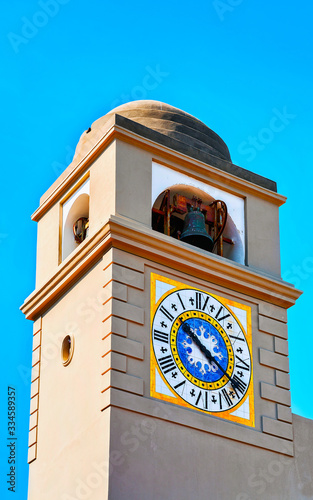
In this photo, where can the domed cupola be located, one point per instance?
(168, 121)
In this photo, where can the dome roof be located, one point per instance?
(165, 119)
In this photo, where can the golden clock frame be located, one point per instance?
(175, 399)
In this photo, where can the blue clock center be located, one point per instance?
(194, 359)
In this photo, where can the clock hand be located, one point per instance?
(196, 340)
(206, 352)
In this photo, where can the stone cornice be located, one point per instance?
(114, 131)
(132, 237)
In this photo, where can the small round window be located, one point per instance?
(67, 349)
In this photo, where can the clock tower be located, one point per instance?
(160, 351)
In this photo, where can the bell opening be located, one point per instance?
(181, 209)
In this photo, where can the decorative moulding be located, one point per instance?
(125, 234)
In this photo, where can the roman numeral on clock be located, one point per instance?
(198, 398)
(199, 298)
(226, 397)
(236, 338)
(205, 401)
(167, 364)
(205, 303)
(243, 365)
(219, 312)
(161, 336)
(180, 384)
(198, 302)
(167, 314)
(240, 385)
(181, 302)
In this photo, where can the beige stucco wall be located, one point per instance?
(102, 188)
(73, 434)
(163, 460)
(263, 244)
(133, 182)
(102, 204)
(48, 230)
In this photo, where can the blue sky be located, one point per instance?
(234, 64)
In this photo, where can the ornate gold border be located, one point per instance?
(228, 415)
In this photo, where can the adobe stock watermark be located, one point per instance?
(221, 8)
(130, 441)
(152, 79)
(254, 144)
(57, 167)
(263, 478)
(299, 272)
(30, 27)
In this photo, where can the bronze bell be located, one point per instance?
(194, 231)
(80, 229)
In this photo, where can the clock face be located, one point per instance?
(201, 350)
